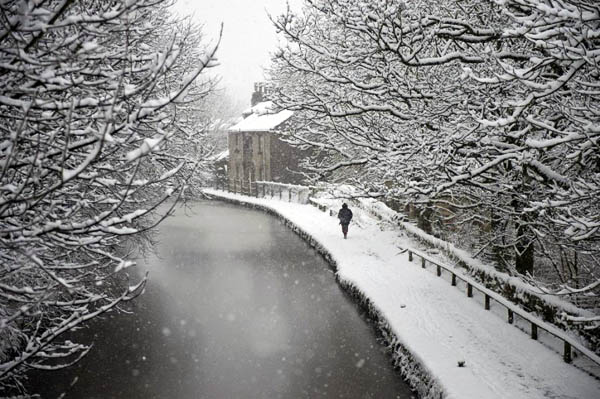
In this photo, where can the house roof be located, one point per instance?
(261, 118)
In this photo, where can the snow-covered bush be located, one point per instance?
(96, 132)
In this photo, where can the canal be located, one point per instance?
(237, 306)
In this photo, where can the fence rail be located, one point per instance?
(536, 324)
(264, 189)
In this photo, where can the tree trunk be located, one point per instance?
(524, 259)
(524, 256)
(424, 219)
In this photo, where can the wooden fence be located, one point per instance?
(536, 324)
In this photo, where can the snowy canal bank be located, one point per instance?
(432, 325)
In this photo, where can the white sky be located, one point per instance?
(248, 38)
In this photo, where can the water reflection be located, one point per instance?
(237, 307)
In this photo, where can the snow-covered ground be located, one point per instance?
(436, 323)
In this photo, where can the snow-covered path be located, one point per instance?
(436, 322)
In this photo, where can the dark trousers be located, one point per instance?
(345, 229)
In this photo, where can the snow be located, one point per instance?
(168, 174)
(124, 264)
(119, 230)
(89, 46)
(148, 145)
(436, 324)
(262, 118)
(220, 156)
(293, 192)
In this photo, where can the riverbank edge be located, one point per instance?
(414, 373)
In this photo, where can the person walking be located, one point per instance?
(345, 216)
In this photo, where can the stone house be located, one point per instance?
(256, 152)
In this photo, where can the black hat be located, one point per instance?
(344, 206)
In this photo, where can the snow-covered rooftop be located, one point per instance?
(262, 118)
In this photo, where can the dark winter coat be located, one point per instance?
(345, 216)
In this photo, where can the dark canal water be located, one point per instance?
(237, 306)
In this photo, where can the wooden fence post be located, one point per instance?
(567, 353)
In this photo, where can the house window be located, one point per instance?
(236, 143)
(248, 145)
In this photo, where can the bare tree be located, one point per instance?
(94, 118)
(542, 123)
(485, 109)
